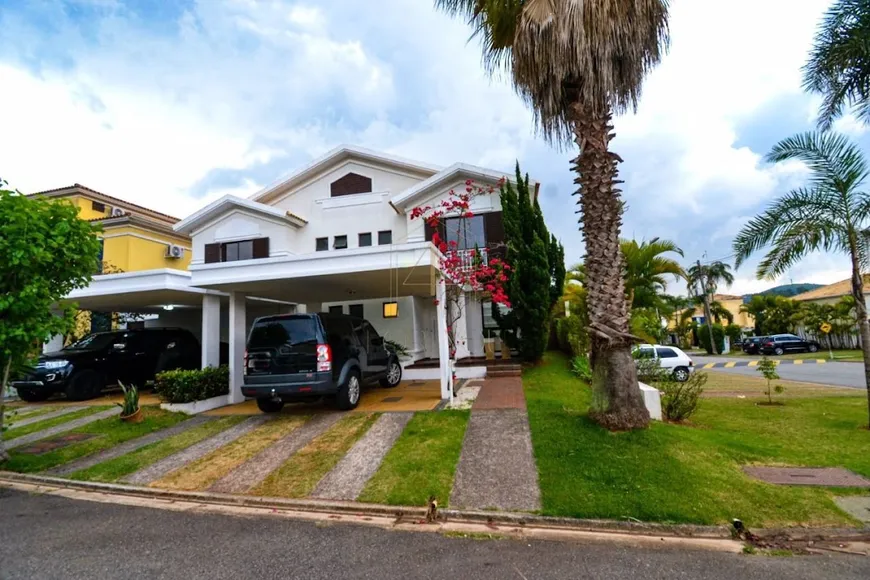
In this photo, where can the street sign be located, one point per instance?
(825, 327)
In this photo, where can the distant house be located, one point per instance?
(832, 293)
(732, 304)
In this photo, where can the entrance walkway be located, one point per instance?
(496, 469)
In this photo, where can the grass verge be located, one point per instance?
(300, 474)
(115, 469)
(48, 423)
(110, 432)
(202, 473)
(11, 414)
(422, 461)
(672, 473)
(720, 384)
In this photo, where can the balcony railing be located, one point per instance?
(468, 258)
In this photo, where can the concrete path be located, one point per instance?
(14, 424)
(350, 475)
(126, 447)
(21, 411)
(178, 460)
(497, 467)
(252, 472)
(62, 428)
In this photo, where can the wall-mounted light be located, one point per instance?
(391, 309)
(168, 307)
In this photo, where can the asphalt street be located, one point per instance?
(841, 374)
(50, 537)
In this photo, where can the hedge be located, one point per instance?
(189, 386)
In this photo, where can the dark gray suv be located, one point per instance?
(295, 357)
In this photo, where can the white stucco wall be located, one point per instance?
(242, 225)
(480, 204)
(400, 329)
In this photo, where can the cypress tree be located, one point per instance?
(557, 270)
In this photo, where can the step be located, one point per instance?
(504, 373)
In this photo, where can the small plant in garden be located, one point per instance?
(131, 400)
(397, 347)
(681, 400)
(767, 368)
(581, 368)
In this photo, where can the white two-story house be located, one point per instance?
(336, 235)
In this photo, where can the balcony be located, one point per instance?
(468, 258)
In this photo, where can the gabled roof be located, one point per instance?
(228, 202)
(457, 171)
(835, 290)
(78, 188)
(337, 155)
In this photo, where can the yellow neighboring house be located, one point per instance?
(134, 237)
(732, 304)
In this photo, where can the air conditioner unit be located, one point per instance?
(174, 252)
(118, 212)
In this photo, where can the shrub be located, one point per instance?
(581, 368)
(196, 385)
(131, 400)
(573, 336)
(718, 336)
(680, 400)
(734, 333)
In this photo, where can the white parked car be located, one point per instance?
(668, 357)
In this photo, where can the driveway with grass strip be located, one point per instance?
(205, 471)
(16, 421)
(300, 474)
(421, 463)
(115, 469)
(690, 473)
(68, 423)
(108, 433)
(46, 423)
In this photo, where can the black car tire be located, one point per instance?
(778, 351)
(270, 405)
(345, 399)
(394, 375)
(84, 385)
(31, 396)
(681, 374)
(813, 348)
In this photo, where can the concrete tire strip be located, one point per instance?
(126, 447)
(59, 413)
(350, 475)
(20, 411)
(252, 472)
(497, 466)
(167, 465)
(62, 428)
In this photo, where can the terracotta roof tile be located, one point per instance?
(117, 199)
(835, 290)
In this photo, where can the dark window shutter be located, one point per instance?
(261, 248)
(430, 231)
(350, 184)
(493, 228)
(212, 253)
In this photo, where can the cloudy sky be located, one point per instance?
(172, 104)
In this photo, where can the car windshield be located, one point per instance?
(277, 332)
(96, 341)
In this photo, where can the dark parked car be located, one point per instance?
(783, 343)
(752, 344)
(297, 357)
(82, 369)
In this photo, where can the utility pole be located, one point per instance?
(707, 317)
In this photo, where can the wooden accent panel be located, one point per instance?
(350, 184)
(212, 253)
(261, 248)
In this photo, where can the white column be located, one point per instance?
(460, 326)
(474, 326)
(443, 342)
(237, 329)
(54, 344)
(211, 330)
(416, 346)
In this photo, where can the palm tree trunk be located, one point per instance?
(863, 324)
(617, 403)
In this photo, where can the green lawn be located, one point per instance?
(422, 462)
(110, 432)
(45, 424)
(115, 469)
(675, 473)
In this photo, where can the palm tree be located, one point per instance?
(646, 270)
(839, 65)
(713, 274)
(576, 63)
(831, 214)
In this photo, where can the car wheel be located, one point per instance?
(778, 350)
(813, 348)
(31, 396)
(348, 393)
(394, 375)
(84, 385)
(270, 405)
(681, 374)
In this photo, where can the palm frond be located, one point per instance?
(835, 161)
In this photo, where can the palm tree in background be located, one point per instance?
(646, 271)
(576, 63)
(830, 214)
(703, 281)
(839, 65)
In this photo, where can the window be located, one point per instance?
(365, 240)
(99, 207)
(100, 256)
(350, 184)
(356, 310)
(340, 243)
(644, 353)
(322, 244)
(666, 353)
(336, 309)
(271, 333)
(467, 233)
(488, 319)
(385, 237)
(235, 251)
